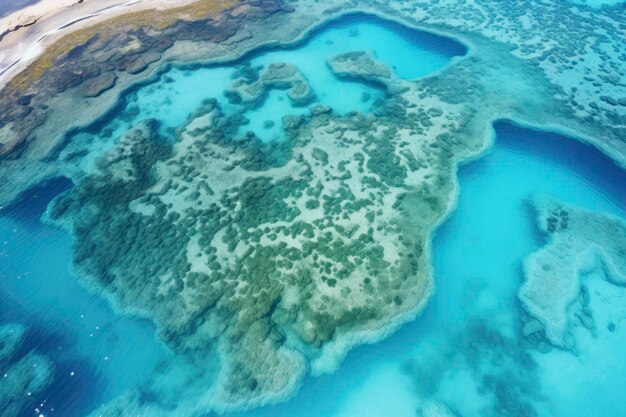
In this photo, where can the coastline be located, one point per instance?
(27, 33)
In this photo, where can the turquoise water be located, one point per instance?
(598, 3)
(468, 335)
(477, 257)
(179, 91)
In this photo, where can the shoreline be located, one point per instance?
(26, 34)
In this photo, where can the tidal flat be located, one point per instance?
(337, 208)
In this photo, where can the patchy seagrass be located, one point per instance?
(261, 249)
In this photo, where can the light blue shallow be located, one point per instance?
(178, 92)
(596, 4)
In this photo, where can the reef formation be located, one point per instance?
(273, 253)
(577, 239)
(279, 257)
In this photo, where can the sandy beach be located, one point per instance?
(26, 33)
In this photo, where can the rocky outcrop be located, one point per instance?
(98, 85)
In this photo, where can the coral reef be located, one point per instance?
(275, 247)
(553, 281)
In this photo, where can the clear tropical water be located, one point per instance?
(477, 257)
(598, 3)
(179, 91)
(99, 354)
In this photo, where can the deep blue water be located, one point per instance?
(96, 354)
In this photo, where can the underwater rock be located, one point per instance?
(553, 273)
(98, 85)
(11, 336)
(137, 63)
(9, 141)
(134, 65)
(22, 377)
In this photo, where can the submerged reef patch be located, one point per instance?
(576, 238)
(252, 88)
(264, 252)
(479, 360)
(363, 66)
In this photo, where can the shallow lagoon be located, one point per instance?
(179, 91)
(477, 254)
